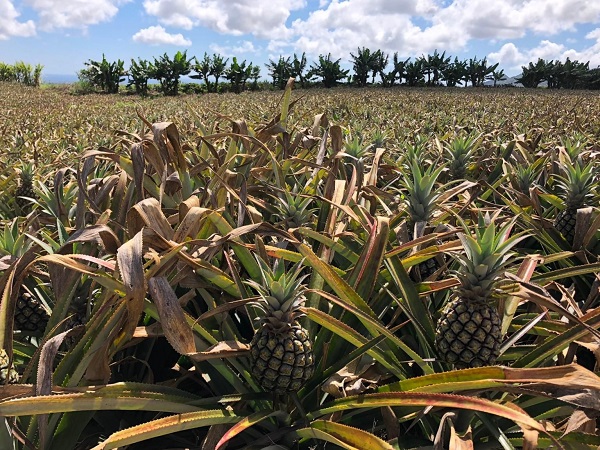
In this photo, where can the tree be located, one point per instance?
(454, 72)
(238, 74)
(362, 64)
(168, 71)
(328, 70)
(218, 66)
(533, 74)
(398, 71)
(254, 76)
(203, 68)
(433, 66)
(104, 74)
(299, 65)
(139, 73)
(280, 71)
(378, 64)
(498, 75)
(414, 73)
(478, 71)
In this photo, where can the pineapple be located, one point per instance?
(577, 191)
(421, 202)
(25, 188)
(30, 314)
(281, 350)
(468, 333)
(8, 375)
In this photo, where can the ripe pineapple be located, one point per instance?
(577, 190)
(8, 375)
(281, 350)
(25, 188)
(30, 314)
(421, 202)
(468, 333)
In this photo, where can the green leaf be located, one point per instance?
(347, 437)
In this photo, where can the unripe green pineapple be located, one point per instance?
(281, 350)
(8, 375)
(25, 188)
(576, 188)
(468, 333)
(30, 314)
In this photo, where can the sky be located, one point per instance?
(63, 34)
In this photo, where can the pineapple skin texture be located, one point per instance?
(30, 315)
(8, 375)
(282, 362)
(565, 223)
(469, 334)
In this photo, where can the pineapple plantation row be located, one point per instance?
(353, 269)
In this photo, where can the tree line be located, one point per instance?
(217, 73)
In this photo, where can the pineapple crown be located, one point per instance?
(486, 256)
(421, 199)
(26, 172)
(293, 210)
(281, 293)
(576, 188)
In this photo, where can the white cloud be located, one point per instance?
(261, 18)
(157, 35)
(74, 14)
(512, 58)
(10, 26)
(240, 50)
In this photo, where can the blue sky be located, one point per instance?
(63, 34)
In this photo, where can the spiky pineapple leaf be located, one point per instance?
(346, 437)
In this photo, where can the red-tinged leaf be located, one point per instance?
(243, 425)
(524, 273)
(366, 271)
(166, 425)
(343, 435)
(225, 349)
(438, 400)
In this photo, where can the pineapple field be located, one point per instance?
(309, 269)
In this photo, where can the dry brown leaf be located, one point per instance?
(224, 349)
(172, 318)
(582, 420)
(356, 378)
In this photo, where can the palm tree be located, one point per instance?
(218, 66)
(280, 71)
(362, 64)
(299, 65)
(498, 75)
(378, 64)
(454, 73)
(414, 72)
(203, 69)
(330, 71)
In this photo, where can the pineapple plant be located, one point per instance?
(8, 375)
(460, 153)
(25, 188)
(468, 333)
(281, 349)
(421, 201)
(576, 189)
